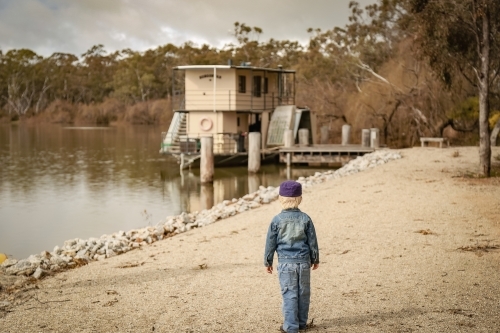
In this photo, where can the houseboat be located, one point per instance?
(227, 102)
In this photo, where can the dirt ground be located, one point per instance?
(409, 246)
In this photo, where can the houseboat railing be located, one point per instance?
(190, 144)
(230, 100)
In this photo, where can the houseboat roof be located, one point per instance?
(237, 67)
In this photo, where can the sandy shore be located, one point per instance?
(390, 262)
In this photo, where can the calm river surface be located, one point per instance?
(59, 182)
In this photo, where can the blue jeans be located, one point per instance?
(295, 282)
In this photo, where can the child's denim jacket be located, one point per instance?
(292, 235)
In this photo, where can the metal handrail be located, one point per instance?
(190, 144)
(230, 100)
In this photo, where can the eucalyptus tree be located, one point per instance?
(463, 36)
(20, 81)
(96, 70)
(61, 70)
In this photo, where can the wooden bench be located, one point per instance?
(423, 141)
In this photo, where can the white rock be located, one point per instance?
(9, 262)
(39, 273)
(22, 267)
(110, 253)
(254, 204)
(70, 243)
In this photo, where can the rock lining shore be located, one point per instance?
(78, 252)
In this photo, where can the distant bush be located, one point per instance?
(100, 113)
(59, 111)
(109, 111)
(149, 113)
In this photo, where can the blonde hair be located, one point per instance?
(290, 202)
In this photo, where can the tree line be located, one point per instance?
(412, 68)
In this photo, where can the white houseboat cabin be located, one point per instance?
(227, 102)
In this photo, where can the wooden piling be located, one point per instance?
(325, 135)
(346, 134)
(253, 152)
(365, 138)
(181, 164)
(374, 138)
(303, 137)
(253, 183)
(206, 196)
(207, 160)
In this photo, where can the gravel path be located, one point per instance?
(390, 262)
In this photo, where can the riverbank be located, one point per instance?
(110, 111)
(77, 252)
(401, 246)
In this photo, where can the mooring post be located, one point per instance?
(374, 138)
(181, 166)
(253, 183)
(365, 138)
(207, 159)
(346, 134)
(325, 135)
(303, 137)
(206, 196)
(253, 152)
(288, 143)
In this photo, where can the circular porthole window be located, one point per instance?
(206, 124)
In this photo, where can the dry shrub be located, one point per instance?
(425, 232)
(149, 113)
(403, 99)
(391, 107)
(479, 249)
(60, 111)
(101, 113)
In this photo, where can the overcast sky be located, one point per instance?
(73, 26)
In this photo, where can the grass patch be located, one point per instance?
(425, 232)
(479, 249)
(494, 173)
(130, 265)
(456, 153)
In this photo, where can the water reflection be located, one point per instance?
(58, 183)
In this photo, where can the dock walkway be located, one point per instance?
(322, 154)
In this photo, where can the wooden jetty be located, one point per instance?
(322, 154)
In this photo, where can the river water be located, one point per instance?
(59, 182)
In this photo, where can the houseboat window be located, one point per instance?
(257, 86)
(242, 84)
(266, 85)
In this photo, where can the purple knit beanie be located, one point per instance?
(290, 188)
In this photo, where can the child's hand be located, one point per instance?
(269, 269)
(314, 266)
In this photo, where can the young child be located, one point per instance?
(292, 235)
